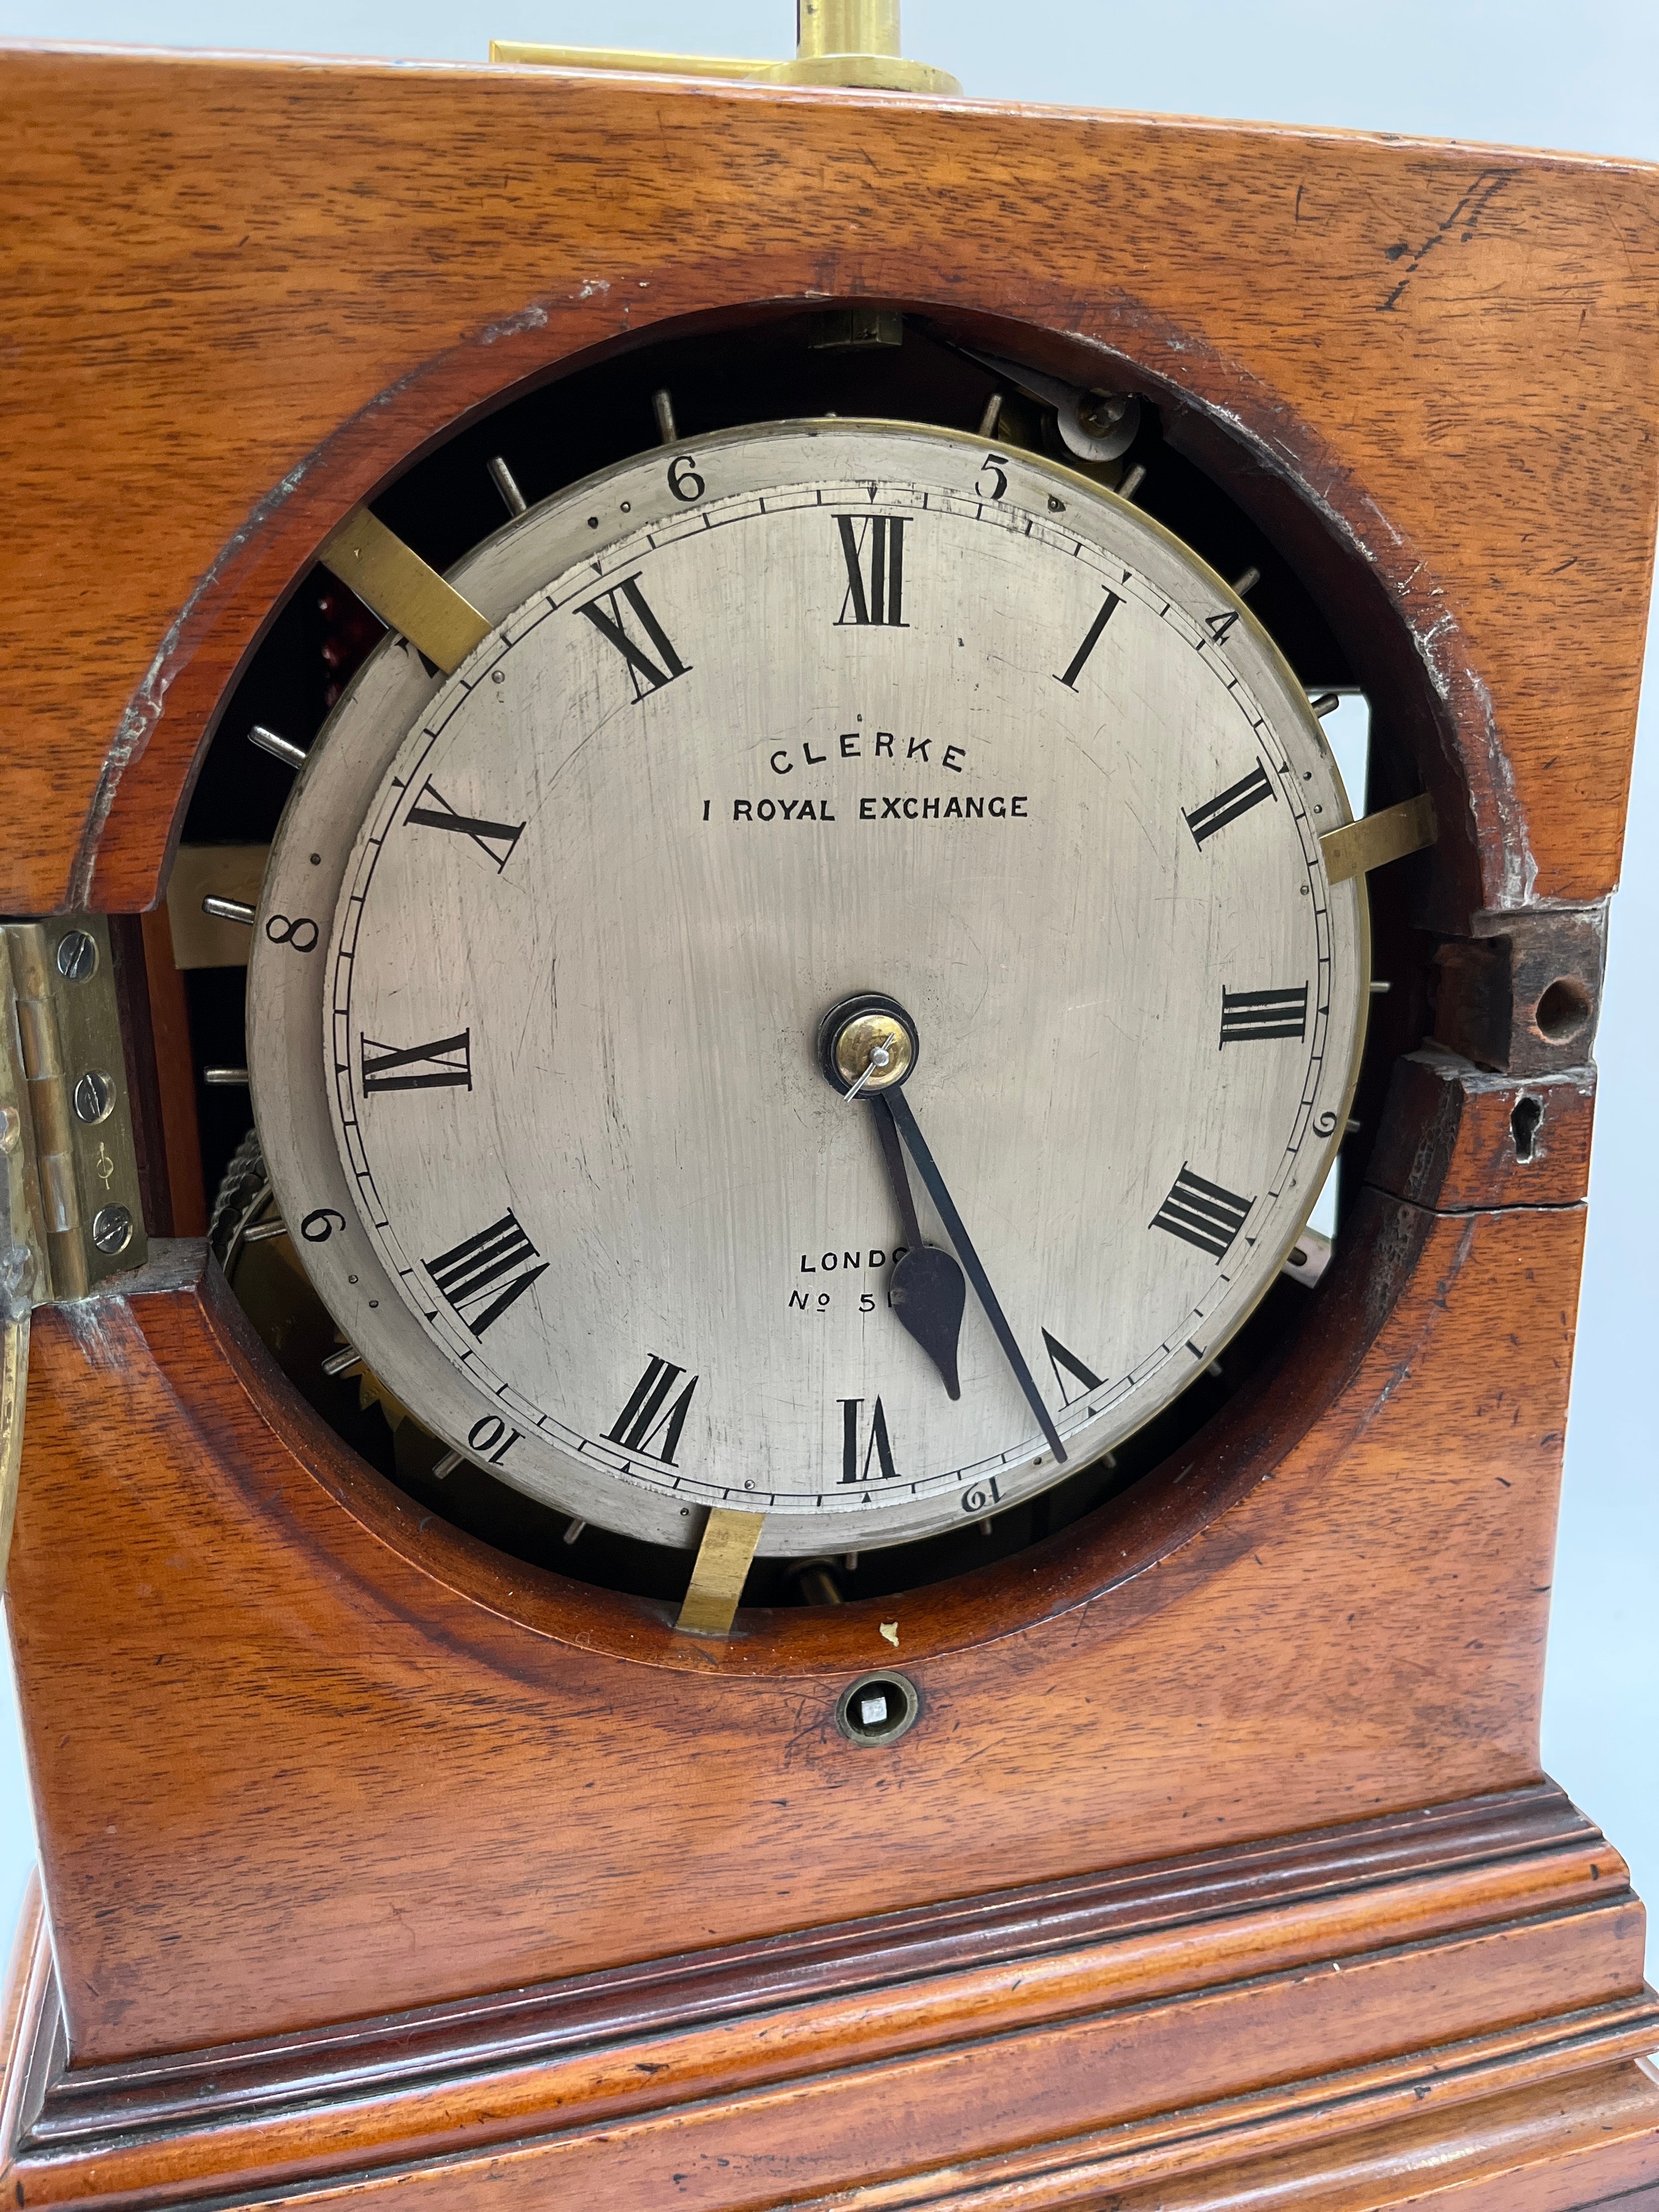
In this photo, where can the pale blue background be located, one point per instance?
(1584, 77)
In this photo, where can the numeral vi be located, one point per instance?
(856, 1454)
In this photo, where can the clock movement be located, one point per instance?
(700, 1521)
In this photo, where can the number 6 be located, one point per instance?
(689, 486)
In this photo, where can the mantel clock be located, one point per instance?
(700, 1520)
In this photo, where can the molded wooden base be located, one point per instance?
(1443, 2006)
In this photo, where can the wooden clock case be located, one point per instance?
(1220, 1869)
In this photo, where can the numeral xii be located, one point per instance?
(873, 546)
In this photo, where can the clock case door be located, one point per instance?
(1221, 1850)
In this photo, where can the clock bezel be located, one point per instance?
(391, 693)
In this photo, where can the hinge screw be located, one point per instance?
(77, 956)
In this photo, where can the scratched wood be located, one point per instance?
(1440, 345)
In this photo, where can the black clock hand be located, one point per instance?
(905, 1121)
(927, 1292)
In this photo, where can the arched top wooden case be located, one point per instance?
(302, 1761)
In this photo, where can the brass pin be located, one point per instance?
(447, 1465)
(662, 405)
(1247, 581)
(1132, 484)
(343, 1361)
(226, 1078)
(987, 421)
(1325, 703)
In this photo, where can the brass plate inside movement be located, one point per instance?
(230, 872)
(717, 1580)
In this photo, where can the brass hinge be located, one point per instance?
(69, 1211)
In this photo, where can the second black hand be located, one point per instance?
(934, 1183)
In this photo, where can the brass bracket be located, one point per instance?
(1376, 839)
(391, 578)
(720, 1569)
(840, 42)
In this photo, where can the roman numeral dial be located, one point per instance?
(769, 720)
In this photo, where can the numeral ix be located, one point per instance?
(477, 1275)
(873, 546)
(1202, 1213)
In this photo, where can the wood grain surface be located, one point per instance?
(1046, 2043)
(1337, 1607)
(223, 355)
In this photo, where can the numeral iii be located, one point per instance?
(1247, 1014)
(1202, 1213)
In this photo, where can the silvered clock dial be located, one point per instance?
(851, 842)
